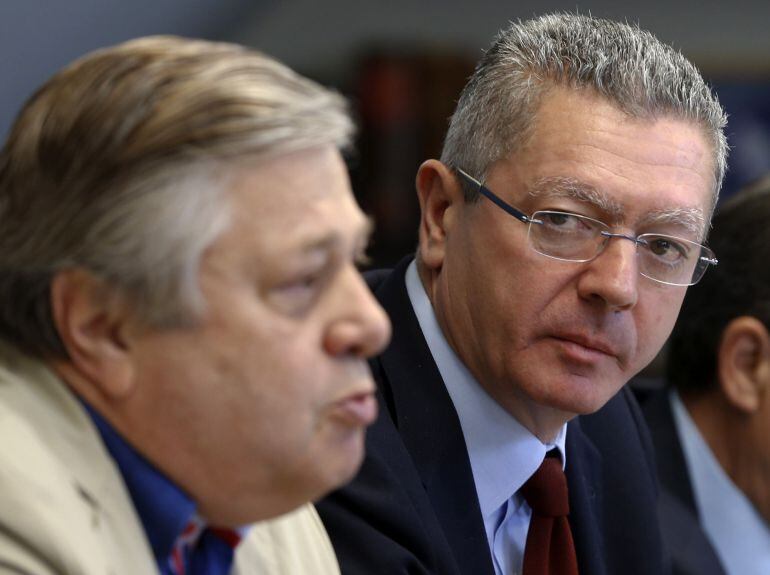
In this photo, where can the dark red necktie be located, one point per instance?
(550, 549)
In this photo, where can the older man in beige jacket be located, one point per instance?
(184, 331)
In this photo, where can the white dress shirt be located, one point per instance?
(503, 453)
(737, 531)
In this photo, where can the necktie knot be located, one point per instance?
(550, 549)
(546, 490)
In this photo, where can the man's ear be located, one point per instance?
(438, 192)
(744, 363)
(94, 323)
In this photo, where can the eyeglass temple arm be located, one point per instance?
(494, 197)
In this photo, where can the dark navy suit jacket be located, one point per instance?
(690, 550)
(413, 507)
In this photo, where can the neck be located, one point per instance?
(542, 421)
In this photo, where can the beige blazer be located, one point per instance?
(64, 508)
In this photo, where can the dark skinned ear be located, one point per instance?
(93, 323)
(744, 363)
(438, 192)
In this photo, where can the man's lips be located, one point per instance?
(586, 347)
(356, 409)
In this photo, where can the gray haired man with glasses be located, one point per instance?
(507, 442)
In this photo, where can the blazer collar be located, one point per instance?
(672, 469)
(423, 412)
(88, 473)
(584, 481)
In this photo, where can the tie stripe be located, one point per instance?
(184, 543)
(200, 549)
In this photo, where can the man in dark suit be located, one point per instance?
(515, 328)
(712, 431)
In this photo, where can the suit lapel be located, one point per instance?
(585, 499)
(428, 424)
(672, 469)
(102, 530)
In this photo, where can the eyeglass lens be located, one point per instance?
(578, 238)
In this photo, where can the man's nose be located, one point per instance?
(362, 327)
(613, 276)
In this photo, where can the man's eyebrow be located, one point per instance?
(564, 187)
(690, 218)
(332, 239)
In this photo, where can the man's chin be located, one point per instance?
(343, 465)
(579, 395)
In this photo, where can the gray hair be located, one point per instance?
(630, 67)
(119, 165)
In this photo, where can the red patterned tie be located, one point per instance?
(550, 549)
(203, 550)
(185, 541)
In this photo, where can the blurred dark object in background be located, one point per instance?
(404, 103)
(748, 131)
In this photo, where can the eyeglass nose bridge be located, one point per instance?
(609, 235)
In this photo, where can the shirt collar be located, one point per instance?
(163, 508)
(503, 453)
(738, 533)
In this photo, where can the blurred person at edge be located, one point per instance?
(711, 427)
(559, 231)
(184, 330)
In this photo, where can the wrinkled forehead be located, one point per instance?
(296, 198)
(625, 169)
(588, 99)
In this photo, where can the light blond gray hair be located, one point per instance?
(118, 165)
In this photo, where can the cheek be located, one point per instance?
(537, 297)
(281, 409)
(655, 322)
(265, 373)
(285, 374)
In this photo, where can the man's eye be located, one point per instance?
(557, 219)
(297, 295)
(668, 249)
(561, 220)
(303, 284)
(660, 247)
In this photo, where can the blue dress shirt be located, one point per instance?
(503, 453)
(163, 508)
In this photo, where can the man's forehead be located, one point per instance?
(330, 235)
(292, 187)
(584, 113)
(356, 228)
(631, 169)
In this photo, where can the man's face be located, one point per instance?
(550, 339)
(263, 405)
